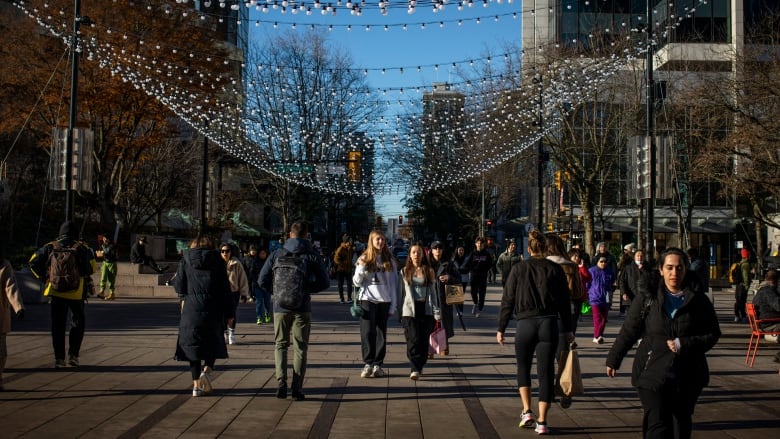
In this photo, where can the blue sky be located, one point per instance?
(393, 48)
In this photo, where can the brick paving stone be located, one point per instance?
(129, 385)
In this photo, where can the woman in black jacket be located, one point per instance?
(446, 273)
(203, 288)
(678, 325)
(537, 292)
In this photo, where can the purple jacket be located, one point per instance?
(600, 287)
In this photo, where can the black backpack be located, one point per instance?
(290, 275)
(64, 275)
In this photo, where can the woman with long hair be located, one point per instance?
(445, 273)
(419, 307)
(677, 324)
(537, 293)
(203, 288)
(239, 288)
(376, 275)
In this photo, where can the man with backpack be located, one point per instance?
(739, 275)
(64, 264)
(292, 273)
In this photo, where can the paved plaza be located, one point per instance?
(129, 385)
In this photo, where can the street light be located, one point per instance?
(74, 82)
(650, 128)
(540, 156)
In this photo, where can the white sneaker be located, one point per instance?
(231, 337)
(595, 340)
(474, 310)
(600, 340)
(196, 391)
(476, 316)
(414, 375)
(377, 372)
(366, 372)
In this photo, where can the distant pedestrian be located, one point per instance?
(575, 255)
(294, 321)
(630, 277)
(767, 303)
(252, 267)
(377, 277)
(201, 282)
(480, 262)
(677, 324)
(138, 255)
(263, 306)
(700, 268)
(599, 292)
(506, 260)
(419, 307)
(537, 295)
(743, 279)
(10, 303)
(342, 258)
(461, 262)
(445, 274)
(64, 265)
(239, 288)
(108, 269)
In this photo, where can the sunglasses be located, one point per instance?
(602, 262)
(224, 251)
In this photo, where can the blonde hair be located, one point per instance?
(371, 255)
(202, 241)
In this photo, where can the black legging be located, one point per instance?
(196, 369)
(540, 335)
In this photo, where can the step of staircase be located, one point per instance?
(132, 280)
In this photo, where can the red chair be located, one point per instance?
(756, 333)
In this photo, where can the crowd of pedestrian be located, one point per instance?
(667, 312)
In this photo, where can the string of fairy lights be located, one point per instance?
(491, 119)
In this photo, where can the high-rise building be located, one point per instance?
(443, 122)
(689, 35)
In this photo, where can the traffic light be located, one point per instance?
(400, 219)
(489, 223)
(550, 227)
(558, 176)
(353, 166)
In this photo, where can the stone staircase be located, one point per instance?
(133, 280)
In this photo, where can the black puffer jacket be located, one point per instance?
(535, 287)
(202, 283)
(695, 323)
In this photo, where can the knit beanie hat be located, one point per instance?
(745, 253)
(66, 229)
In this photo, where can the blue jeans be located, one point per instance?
(263, 302)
